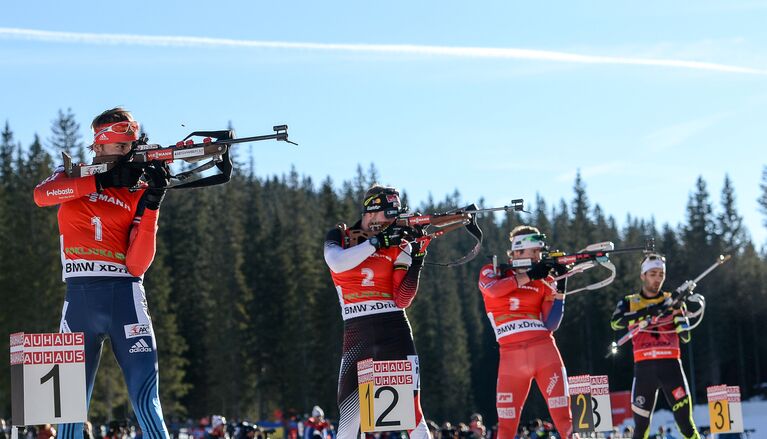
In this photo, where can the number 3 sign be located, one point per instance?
(386, 394)
(47, 378)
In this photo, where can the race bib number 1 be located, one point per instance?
(386, 394)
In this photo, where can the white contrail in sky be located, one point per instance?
(450, 51)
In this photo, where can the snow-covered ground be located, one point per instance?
(754, 417)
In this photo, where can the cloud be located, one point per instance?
(402, 49)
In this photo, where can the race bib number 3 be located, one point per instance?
(386, 390)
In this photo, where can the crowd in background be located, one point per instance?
(315, 427)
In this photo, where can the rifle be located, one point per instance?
(214, 146)
(422, 228)
(597, 254)
(683, 293)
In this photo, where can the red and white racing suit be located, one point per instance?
(523, 318)
(374, 287)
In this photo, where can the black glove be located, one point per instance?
(158, 178)
(417, 254)
(389, 237)
(122, 174)
(539, 270)
(559, 269)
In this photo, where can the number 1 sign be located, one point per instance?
(48, 378)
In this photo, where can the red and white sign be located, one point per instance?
(579, 384)
(160, 154)
(47, 378)
(386, 394)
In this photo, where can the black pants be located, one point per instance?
(382, 337)
(667, 374)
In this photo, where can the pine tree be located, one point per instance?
(731, 230)
(66, 134)
(763, 197)
(698, 236)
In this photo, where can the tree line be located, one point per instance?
(247, 318)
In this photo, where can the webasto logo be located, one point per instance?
(54, 192)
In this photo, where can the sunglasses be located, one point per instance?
(120, 128)
(534, 238)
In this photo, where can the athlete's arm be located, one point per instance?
(623, 318)
(143, 241)
(553, 309)
(58, 188)
(493, 285)
(407, 274)
(341, 259)
(682, 325)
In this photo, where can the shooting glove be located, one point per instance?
(158, 179)
(539, 270)
(123, 174)
(417, 254)
(559, 269)
(389, 237)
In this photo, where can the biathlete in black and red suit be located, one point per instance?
(376, 281)
(656, 351)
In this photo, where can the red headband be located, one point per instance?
(118, 132)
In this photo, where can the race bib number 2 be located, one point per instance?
(386, 394)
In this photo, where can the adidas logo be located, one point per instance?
(140, 346)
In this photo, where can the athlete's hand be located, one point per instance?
(122, 174)
(158, 179)
(661, 307)
(539, 270)
(389, 237)
(417, 253)
(559, 269)
(157, 175)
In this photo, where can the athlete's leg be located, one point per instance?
(677, 392)
(396, 343)
(356, 347)
(644, 392)
(135, 349)
(84, 312)
(514, 377)
(551, 377)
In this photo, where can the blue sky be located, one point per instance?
(433, 93)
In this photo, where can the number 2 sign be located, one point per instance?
(581, 403)
(48, 378)
(386, 394)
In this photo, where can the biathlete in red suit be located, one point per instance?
(375, 280)
(656, 351)
(107, 237)
(525, 308)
